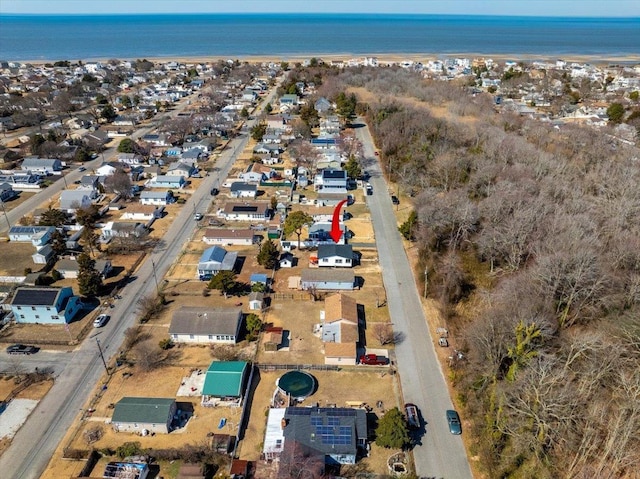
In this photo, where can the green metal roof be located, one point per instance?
(224, 378)
(143, 410)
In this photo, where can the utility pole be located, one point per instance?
(426, 281)
(104, 363)
(155, 278)
(5, 214)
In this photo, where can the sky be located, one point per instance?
(571, 8)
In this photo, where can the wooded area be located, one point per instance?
(531, 235)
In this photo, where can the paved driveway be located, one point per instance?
(439, 454)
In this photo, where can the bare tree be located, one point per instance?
(383, 332)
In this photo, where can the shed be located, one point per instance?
(256, 301)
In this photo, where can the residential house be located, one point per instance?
(320, 233)
(256, 301)
(73, 200)
(181, 169)
(144, 415)
(336, 435)
(256, 173)
(194, 155)
(106, 170)
(42, 166)
(214, 260)
(121, 229)
(36, 235)
(206, 145)
(340, 332)
(332, 181)
(69, 269)
(167, 181)
(157, 139)
(140, 212)
(322, 105)
(225, 383)
(45, 305)
(247, 211)
(335, 255)
(156, 198)
(7, 192)
(222, 236)
(241, 189)
(327, 279)
(324, 143)
(90, 182)
(289, 100)
(206, 325)
(130, 159)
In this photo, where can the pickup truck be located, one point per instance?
(373, 360)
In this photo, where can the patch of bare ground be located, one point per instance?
(15, 258)
(334, 388)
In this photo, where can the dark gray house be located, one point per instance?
(139, 414)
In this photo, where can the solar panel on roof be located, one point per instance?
(333, 421)
(316, 420)
(245, 209)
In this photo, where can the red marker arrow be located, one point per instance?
(336, 232)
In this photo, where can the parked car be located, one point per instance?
(413, 415)
(369, 189)
(100, 321)
(214, 191)
(373, 360)
(198, 216)
(22, 349)
(395, 200)
(455, 427)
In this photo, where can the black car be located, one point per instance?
(395, 200)
(214, 191)
(21, 349)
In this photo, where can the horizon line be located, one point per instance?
(146, 14)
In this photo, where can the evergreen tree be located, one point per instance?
(408, 228)
(89, 279)
(352, 167)
(392, 431)
(53, 217)
(224, 281)
(268, 255)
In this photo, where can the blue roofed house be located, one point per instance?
(36, 235)
(7, 192)
(214, 260)
(224, 383)
(45, 305)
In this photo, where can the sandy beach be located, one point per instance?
(384, 58)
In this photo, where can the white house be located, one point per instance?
(43, 166)
(140, 212)
(222, 236)
(335, 255)
(248, 211)
(214, 260)
(206, 325)
(156, 198)
(167, 181)
(72, 200)
(240, 189)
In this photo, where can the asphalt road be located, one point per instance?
(439, 453)
(34, 444)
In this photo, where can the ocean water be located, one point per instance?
(35, 37)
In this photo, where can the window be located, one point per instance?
(48, 308)
(191, 336)
(19, 308)
(37, 316)
(55, 317)
(338, 261)
(211, 336)
(33, 308)
(22, 316)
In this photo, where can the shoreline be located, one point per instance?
(381, 57)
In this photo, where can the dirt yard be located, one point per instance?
(334, 388)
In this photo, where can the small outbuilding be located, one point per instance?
(256, 301)
(224, 383)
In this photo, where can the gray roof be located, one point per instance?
(242, 186)
(204, 321)
(329, 250)
(327, 275)
(35, 296)
(327, 430)
(219, 256)
(143, 410)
